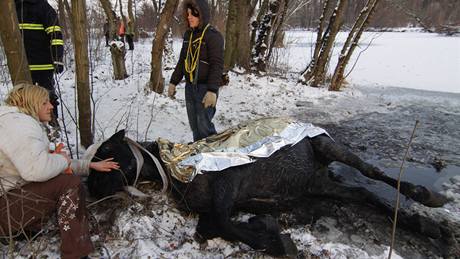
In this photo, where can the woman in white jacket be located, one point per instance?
(33, 184)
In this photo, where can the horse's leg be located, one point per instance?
(258, 234)
(324, 186)
(329, 150)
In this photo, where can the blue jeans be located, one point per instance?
(199, 118)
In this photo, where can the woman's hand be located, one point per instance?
(105, 165)
(64, 154)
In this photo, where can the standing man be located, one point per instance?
(201, 61)
(43, 43)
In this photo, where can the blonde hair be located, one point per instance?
(28, 98)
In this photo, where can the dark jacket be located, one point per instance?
(211, 58)
(41, 32)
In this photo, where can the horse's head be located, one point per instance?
(101, 184)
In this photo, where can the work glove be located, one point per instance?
(58, 67)
(210, 99)
(172, 91)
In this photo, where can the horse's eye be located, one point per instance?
(106, 148)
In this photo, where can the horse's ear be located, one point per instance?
(120, 135)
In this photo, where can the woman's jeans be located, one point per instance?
(199, 117)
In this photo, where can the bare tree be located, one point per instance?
(63, 19)
(308, 72)
(237, 38)
(400, 5)
(82, 70)
(350, 44)
(156, 82)
(131, 17)
(317, 77)
(268, 33)
(262, 44)
(118, 52)
(13, 44)
(263, 6)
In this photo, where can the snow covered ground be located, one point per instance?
(154, 228)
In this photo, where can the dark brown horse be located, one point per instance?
(278, 182)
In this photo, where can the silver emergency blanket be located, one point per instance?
(240, 145)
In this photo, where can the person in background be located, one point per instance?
(201, 62)
(43, 44)
(130, 35)
(34, 182)
(121, 30)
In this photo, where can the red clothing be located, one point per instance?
(121, 29)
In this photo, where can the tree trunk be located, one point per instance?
(63, 19)
(334, 26)
(259, 57)
(355, 34)
(307, 74)
(82, 71)
(131, 18)
(156, 82)
(13, 44)
(277, 28)
(231, 35)
(118, 52)
(237, 38)
(123, 17)
(255, 24)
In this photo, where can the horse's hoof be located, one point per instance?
(435, 200)
(290, 248)
(428, 198)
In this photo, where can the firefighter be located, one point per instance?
(43, 43)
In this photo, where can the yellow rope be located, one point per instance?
(191, 60)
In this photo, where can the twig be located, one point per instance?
(401, 170)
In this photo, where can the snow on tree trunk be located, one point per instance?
(255, 24)
(12, 43)
(307, 74)
(118, 52)
(259, 57)
(350, 44)
(317, 77)
(82, 71)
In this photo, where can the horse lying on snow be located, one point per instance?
(273, 183)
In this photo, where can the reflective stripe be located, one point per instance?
(57, 42)
(31, 26)
(53, 29)
(41, 67)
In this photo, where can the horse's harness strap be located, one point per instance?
(135, 146)
(139, 161)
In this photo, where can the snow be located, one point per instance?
(410, 60)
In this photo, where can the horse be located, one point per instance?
(277, 182)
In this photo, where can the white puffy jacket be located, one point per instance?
(24, 151)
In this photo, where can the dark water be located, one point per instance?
(427, 177)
